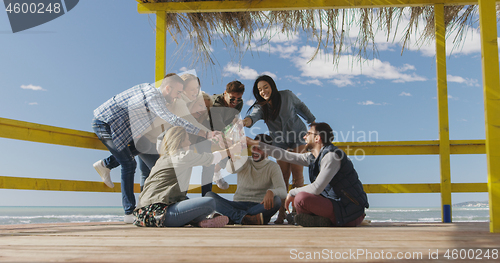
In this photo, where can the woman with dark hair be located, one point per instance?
(280, 110)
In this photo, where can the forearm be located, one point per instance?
(329, 168)
(283, 155)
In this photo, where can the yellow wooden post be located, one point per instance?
(491, 88)
(442, 98)
(161, 46)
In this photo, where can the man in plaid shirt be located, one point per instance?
(124, 118)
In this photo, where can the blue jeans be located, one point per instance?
(237, 210)
(125, 158)
(110, 162)
(189, 211)
(207, 174)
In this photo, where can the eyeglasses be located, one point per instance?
(308, 133)
(234, 99)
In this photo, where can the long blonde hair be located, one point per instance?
(172, 141)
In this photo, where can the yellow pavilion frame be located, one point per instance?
(443, 147)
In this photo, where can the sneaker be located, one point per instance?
(217, 221)
(281, 217)
(129, 219)
(290, 218)
(312, 220)
(221, 183)
(104, 172)
(257, 219)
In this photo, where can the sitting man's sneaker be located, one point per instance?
(221, 183)
(312, 220)
(290, 218)
(257, 219)
(104, 172)
(129, 219)
(216, 221)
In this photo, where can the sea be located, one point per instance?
(77, 214)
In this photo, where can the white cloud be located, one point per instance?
(466, 81)
(33, 103)
(298, 94)
(342, 81)
(470, 44)
(405, 94)
(323, 67)
(270, 74)
(243, 73)
(250, 102)
(32, 87)
(284, 51)
(369, 102)
(304, 82)
(449, 97)
(274, 35)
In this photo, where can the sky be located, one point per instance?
(59, 72)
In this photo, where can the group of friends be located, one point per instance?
(174, 128)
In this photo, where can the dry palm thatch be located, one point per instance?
(329, 29)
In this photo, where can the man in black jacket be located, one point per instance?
(335, 196)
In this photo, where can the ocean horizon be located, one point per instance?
(10, 215)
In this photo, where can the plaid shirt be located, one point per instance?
(133, 111)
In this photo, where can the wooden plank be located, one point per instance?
(161, 47)
(442, 99)
(22, 183)
(280, 5)
(491, 90)
(28, 131)
(117, 242)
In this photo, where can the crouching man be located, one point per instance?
(260, 188)
(335, 196)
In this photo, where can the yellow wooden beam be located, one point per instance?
(491, 88)
(469, 187)
(401, 188)
(161, 47)
(424, 188)
(22, 183)
(442, 98)
(34, 132)
(410, 147)
(280, 5)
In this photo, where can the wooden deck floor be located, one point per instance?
(117, 242)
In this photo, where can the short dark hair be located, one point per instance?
(324, 131)
(235, 86)
(264, 138)
(171, 78)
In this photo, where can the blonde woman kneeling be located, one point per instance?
(163, 201)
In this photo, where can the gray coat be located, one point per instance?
(287, 128)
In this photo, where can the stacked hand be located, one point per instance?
(289, 199)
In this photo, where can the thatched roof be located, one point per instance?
(237, 30)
